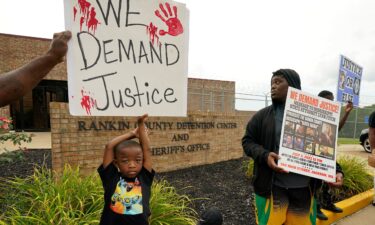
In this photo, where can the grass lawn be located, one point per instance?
(343, 141)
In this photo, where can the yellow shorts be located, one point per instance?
(293, 206)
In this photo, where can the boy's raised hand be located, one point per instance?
(142, 119)
(135, 132)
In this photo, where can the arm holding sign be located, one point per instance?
(339, 173)
(348, 109)
(16, 83)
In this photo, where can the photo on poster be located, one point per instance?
(298, 143)
(325, 151)
(356, 86)
(288, 141)
(327, 135)
(289, 127)
(309, 147)
(300, 130)
(311, 133)
(342, 77)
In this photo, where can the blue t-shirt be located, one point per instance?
(126, 199)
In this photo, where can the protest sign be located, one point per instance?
(127, 57)
(308, 136)
(349, 81)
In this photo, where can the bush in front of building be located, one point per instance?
(6, 133)
(356, 178)
(73, 199)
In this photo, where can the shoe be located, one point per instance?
(320, 215)
(333, 208)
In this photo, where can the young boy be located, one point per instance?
(127, 175)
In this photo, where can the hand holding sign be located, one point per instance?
(339, 181)
(349, 107)
(59, 45)
(174, 25)
(271, 162)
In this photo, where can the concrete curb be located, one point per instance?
(350, 206)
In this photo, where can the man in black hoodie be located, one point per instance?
(280, 197)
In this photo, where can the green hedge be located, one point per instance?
(356, 179)
(73, 199)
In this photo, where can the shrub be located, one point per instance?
(11, 156)
(7, 135)
(356, 178)
(168, 207)
(248, 166)
(73, 199)
(40, 199)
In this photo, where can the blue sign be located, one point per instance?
(349, 82)
(366, 119)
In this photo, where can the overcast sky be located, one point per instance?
(245, 40)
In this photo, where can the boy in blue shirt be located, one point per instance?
(127, 175)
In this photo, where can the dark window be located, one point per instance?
(31, 112)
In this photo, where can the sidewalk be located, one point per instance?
(40, 140)
(365, 216)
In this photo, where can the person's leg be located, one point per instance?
(318, 195)
(271, 211)
(302, 207)
(327, 202)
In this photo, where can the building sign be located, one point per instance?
(127, 57)
(180, 142)
(308, 140)
(349, 82)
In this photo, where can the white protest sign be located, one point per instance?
(127, 57)
(308, 137)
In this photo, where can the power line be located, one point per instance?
(252, 94)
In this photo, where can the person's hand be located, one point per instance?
(349, 107)
(59, 45)
(339, 180)
(271, 162)
(135, 132)
(142, 119)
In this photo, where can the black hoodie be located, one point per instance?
(260, 138)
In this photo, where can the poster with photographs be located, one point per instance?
(349, 81)
(308, 136)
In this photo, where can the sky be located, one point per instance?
(246, 40)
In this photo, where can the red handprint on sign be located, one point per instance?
(174, 25)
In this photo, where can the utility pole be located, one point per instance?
(266, 98)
